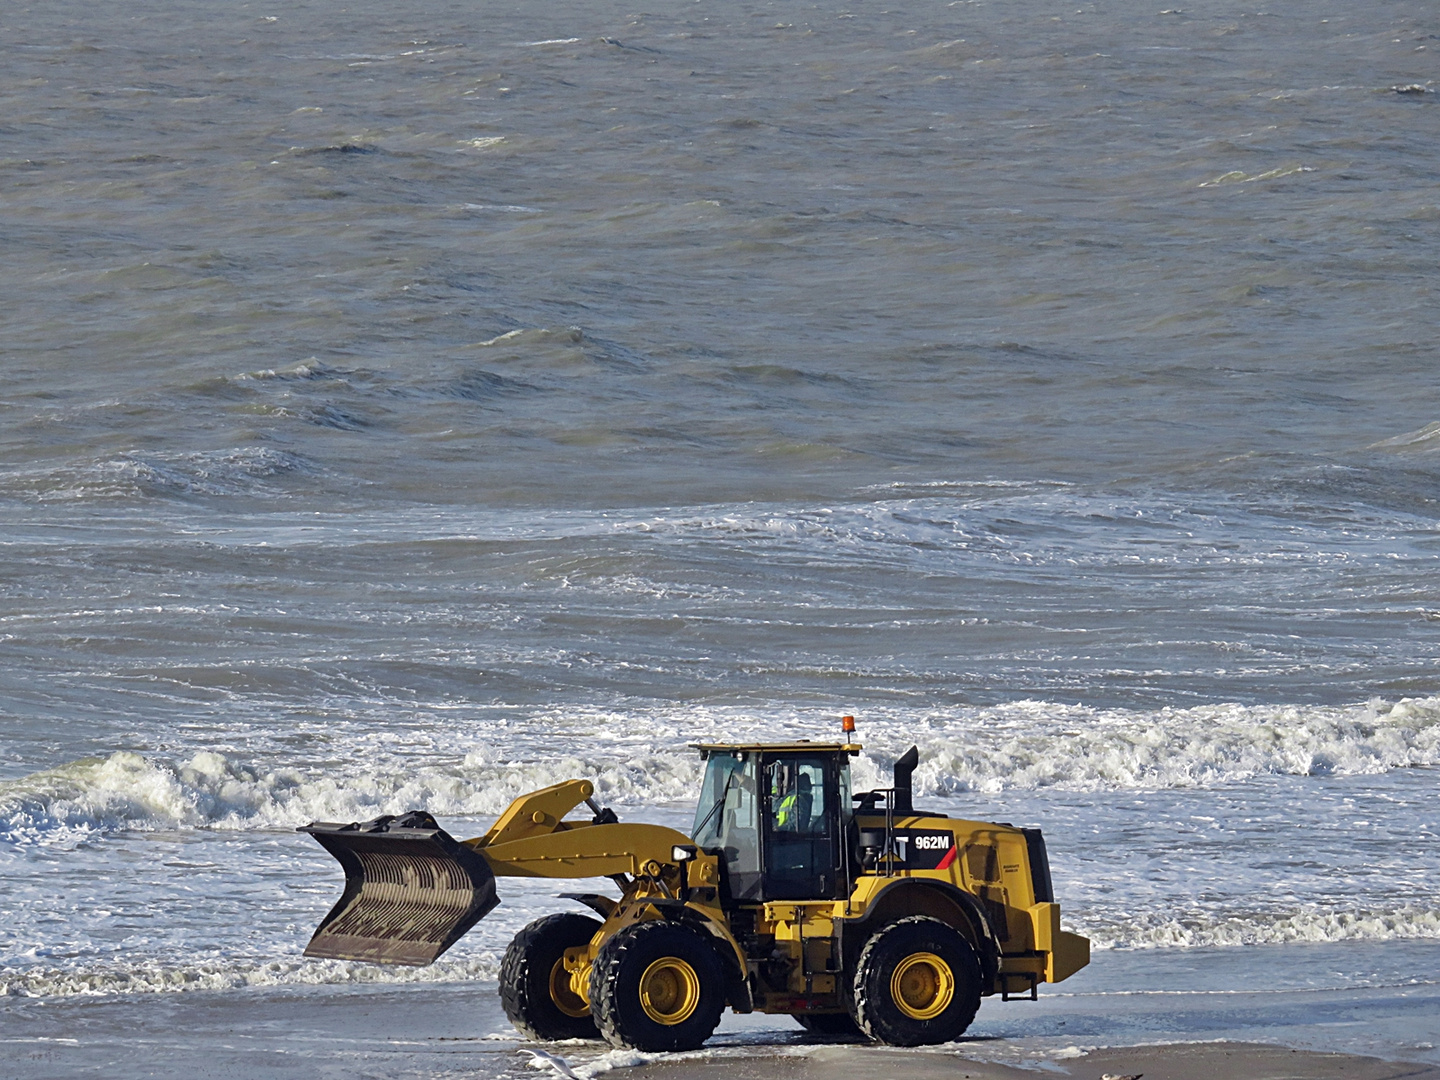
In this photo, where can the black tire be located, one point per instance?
(828, 1023)
(533, 990)
(657, 986)
(917, 983)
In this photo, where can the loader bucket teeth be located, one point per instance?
(411, 890)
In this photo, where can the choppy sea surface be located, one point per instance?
(411, 406)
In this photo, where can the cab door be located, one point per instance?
(802, 826)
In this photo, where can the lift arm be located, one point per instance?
(412, 890)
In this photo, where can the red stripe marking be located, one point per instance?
(949, 858)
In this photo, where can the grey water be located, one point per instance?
(410, 406)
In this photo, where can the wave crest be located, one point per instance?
(1037, 745)
(66, 805)
(243, 470)
(1025, 745)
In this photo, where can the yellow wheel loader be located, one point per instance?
(856, 914)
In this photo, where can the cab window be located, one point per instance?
(727, 819)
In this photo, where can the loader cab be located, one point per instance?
(778, 817)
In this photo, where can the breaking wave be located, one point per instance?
(64, 806)
(1024, 745)
(244, 470)
(1035, 745)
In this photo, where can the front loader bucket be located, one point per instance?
(411, 890)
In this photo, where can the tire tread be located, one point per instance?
(607, 1001)
(870, 1014)
(540, 1021)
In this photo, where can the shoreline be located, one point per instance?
(1192, 1015)
(1163, 1061)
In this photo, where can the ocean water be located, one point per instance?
(409, 407)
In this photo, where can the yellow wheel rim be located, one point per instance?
(565, 999)
(669, 991)
(922, 986)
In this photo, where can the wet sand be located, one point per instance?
(1180, 1061)
(458, 1030)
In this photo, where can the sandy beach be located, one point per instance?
(1176, 1061)
(282, 1037)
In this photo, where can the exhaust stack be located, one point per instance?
(901, 801)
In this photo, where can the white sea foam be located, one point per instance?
(1037, 745)
(1239, 176)
(1203, 930)
(569, 335)
(155, 977)
(127, 791)
(1423, 439)
(617, 1059)
(642, 758)
(1143, 930)
(508, 208)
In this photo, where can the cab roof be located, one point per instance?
(803, 745)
